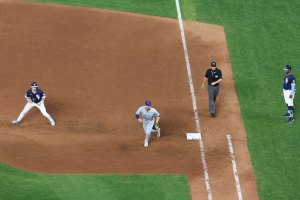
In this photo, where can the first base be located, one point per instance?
(193, 136)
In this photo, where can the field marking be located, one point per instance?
(192, 91)
(234, 167)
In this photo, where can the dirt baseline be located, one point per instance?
(96, 68)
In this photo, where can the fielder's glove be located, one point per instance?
(155, 126)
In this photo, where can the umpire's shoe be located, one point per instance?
(291, 120)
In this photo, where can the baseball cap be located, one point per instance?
(287, 67)
(213, 64)
(148, 103)
(34, 84)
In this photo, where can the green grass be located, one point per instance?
(151, 7)
(263, 36)
(21, 185)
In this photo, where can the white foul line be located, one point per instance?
(235, 172)
(196, 115)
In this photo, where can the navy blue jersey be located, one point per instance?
(35, 97)
(213, 75)
(288, 80)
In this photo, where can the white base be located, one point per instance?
(193, 136)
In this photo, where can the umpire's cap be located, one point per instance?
(287, 67)
(213, 64)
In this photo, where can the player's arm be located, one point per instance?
(137, 115)
(293, 85)
(157, 117)
(28, 98)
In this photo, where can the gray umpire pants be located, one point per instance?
(212, 96)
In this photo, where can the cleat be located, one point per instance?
(146, 144)
(286, 115)
(15, 122)
(213, 114)
(52, 123)
(158, 133)
(291, 120)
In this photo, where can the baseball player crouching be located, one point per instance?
(150, 118)
(35, 97)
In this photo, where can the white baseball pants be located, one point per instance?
(289, 101)
(147, 125)
(40, 106)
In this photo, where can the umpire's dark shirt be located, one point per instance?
(213, 76)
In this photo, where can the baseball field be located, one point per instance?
(99, 60)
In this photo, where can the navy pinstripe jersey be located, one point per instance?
(288, 80)
(35, 97)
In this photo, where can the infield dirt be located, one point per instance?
(96, 68)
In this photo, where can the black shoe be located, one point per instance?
(291, 120)
(213, 114)
(286, 115)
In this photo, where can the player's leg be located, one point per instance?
(27, 107)
(146, 142)
(44, 112)
(148, 126)
(291, 109)
(286, 99)
(290, 104)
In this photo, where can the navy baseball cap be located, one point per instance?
(34, 84)
(213, 64)
(148, 103)
(287, 67)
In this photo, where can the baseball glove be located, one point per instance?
(155, 126)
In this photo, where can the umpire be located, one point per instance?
(213, 76)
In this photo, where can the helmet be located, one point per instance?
(148, 103)
(34, 84)
(287, 67)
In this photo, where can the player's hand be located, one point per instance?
(213, 83)
(155, 126)
(140, 120)
(291, 96)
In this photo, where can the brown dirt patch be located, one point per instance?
(97, 67)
